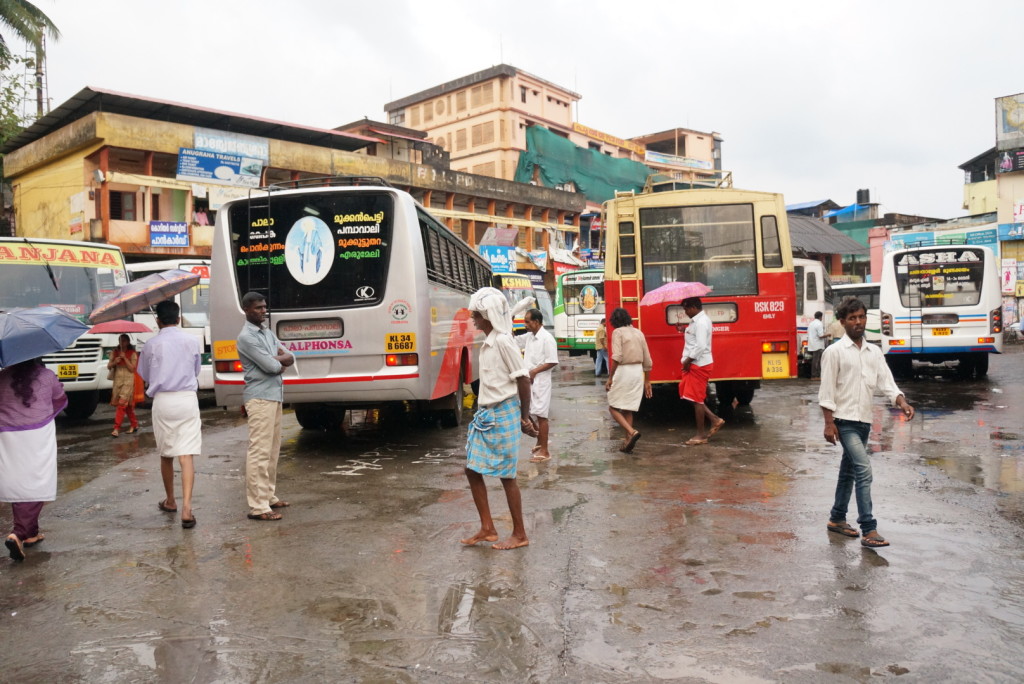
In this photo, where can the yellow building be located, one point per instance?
(117, 168)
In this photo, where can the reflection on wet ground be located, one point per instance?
(707, 563)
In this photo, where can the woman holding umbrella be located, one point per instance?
(31, 396)
(123, 361)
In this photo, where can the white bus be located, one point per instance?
(813, 294)
(363, 286)
(869, 294)
(941, 303)
(194, 303)
(579, 308)
(73, 276)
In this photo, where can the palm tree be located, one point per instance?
(26, 21)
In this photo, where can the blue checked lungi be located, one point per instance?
(492, 445)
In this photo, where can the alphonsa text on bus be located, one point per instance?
(317, 346)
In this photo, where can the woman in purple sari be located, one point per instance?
(31, 396)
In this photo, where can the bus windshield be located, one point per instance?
(713, 245)
(313, 250)
(945, 276)
(583, 298)
(77, 289)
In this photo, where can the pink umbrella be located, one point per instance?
(120, 326)
(674, 292)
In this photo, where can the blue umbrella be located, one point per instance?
(30, 333)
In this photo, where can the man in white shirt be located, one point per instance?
(541, 356)
(697, 366)
(816, 343)
(851, 371)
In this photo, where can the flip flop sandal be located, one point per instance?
(844, 528)
(13, 545)
(189, 524)
(715, 428)
(876, 541)
(32, 541)
(694, 441)
(280, 504)
(265, 516)
(631, 442)
(165, 508)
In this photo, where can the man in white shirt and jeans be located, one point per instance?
(851, 371)
(816, 343)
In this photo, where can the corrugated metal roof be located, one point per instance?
(808, 205)
(811, 236)
(90, 100)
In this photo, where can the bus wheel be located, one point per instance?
(981, 365)
(725, 393)
(902, 367)
(81, 405)
(452, 417)
(312, 416)
(745, 395)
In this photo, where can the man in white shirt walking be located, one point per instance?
(816, 343)
(541, 356)
(851, 371)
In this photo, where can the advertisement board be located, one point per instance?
(1010, 122)
(500, 258)
(168, 234)
(215, 167)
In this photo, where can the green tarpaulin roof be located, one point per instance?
(561, 161)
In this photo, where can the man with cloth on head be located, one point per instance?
(170, 364)
(697, 366)
(503, 409)
(541, 355)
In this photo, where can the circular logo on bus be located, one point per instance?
(588, 298)
(309, 250)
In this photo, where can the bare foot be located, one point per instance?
(512, 543)
(480, 536)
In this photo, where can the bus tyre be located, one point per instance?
(725, 394)
(902, 367)
(312, 416)
(745, 395)
(452, 417)
(81, 405)
(981, 365)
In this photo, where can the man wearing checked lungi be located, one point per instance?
(503, 410)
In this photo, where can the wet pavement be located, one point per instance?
(686, 564)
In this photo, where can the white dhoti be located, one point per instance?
(627, 387)
(28, 464)
(176, 424)
(540, 395)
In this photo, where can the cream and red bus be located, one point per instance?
(736, 242)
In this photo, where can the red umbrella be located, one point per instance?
(143, 293)
(120, 326)
(674, 292)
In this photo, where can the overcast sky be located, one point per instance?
(814, 99)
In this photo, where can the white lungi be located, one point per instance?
(176, 424)
(627, 387)
(540, 395)
(28, 464)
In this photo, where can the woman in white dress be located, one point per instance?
(629, 374)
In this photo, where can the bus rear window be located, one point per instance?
(314, 251)
(945, 276)
(712, 244)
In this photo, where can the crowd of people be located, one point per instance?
(514, 398)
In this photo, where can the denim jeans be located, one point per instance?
(601, 361)
(854, 473)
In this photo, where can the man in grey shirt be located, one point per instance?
(263, 360)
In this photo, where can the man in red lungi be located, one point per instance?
(697, 365)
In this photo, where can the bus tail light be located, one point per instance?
(897, 343)
(886, 324)
(228, 366)
(401, 360)
(773, 347)
(986, 340)
(995, 321)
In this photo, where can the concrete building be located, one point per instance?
(118, 168)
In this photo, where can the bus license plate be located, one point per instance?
(942, 331)
(774, 366)
(588, 333)
(399, 342)
(67, 371)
